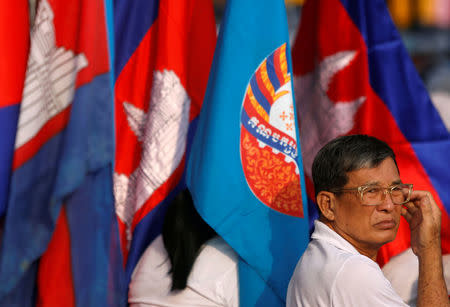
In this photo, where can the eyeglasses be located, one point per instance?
(373, 195)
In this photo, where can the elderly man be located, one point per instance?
(360, 197)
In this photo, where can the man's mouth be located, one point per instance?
(385, 224)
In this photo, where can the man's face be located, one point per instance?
(367, 228)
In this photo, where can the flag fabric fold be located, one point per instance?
(62, 168)
(353, 75)
(244, 171)
(163, 52)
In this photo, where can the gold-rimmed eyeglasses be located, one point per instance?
(374, 195)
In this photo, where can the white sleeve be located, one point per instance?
(150, 279)
(360, 282)
(293, 295)
(402, 271)
(229, 286)
(214, 274)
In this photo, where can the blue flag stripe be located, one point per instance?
(259, 95)
(271, 72)
(8, 122)
(385, 50)
(257, 133)
(132, 20)
(92, 267)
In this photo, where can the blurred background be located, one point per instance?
(425, 28)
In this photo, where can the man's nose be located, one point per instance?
(387, 204)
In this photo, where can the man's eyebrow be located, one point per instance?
(398, 181)
(372, 183)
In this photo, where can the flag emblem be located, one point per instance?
(322, 118)
(49, 85)
(162, 132)
(268, 141)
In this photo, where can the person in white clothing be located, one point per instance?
(188, 265)
(361, 197)
(402, 271)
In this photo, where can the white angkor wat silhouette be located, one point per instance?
(50, 79)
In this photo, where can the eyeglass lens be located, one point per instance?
(375, 195)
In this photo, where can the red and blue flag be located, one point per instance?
(163, 52)
(353, 75)
(244, 169)
(60, 245)
(14, 45)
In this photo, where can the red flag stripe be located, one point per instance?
(50, 129)
(55, 286)
(14, 45)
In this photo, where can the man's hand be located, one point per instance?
(424, 218)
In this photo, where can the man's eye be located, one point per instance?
(396, 189)
(373, 190)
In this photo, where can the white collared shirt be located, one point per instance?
(331, 272)
(213, 280)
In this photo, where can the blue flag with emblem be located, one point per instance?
(244, 169)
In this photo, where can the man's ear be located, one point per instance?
(326, 203)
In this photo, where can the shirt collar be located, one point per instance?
(324, 233)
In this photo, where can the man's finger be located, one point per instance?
(406, 214)
(411, 207)
(424, 200)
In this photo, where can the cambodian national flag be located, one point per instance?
(244, 170)
(353, 75)
(60, 245)
(14, 45)
(163, 53)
